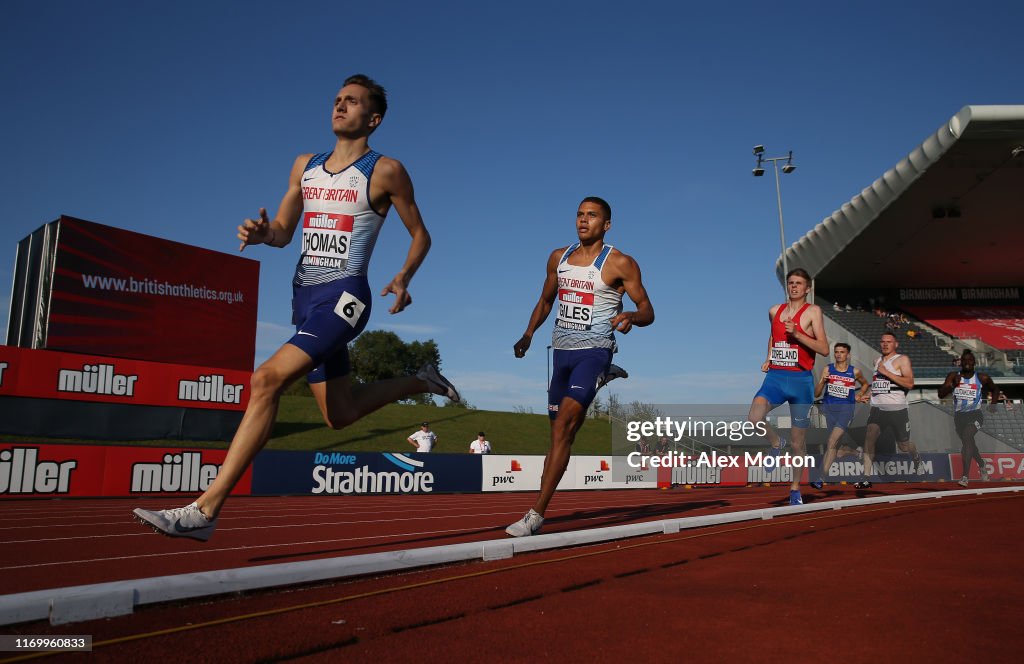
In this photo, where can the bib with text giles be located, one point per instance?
(575, 304)
(326, 238)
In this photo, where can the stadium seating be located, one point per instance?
(1006, 425)
(929, 361)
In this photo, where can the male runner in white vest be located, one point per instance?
(588, 279)
(893, 378)
(341, 210)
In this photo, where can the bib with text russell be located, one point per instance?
(840, 386)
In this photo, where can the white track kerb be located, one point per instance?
(103, 600)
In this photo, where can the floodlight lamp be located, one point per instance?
(758, 149)
(758, 172)
(788, 168)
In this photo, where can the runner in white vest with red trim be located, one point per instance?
(587, 279)
(341, 198)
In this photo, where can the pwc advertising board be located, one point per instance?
(99, 290)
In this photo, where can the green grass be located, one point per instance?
(300, 427)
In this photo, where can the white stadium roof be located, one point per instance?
(950, 213)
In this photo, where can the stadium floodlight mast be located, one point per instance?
(787, 168)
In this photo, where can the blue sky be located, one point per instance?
(181, 119)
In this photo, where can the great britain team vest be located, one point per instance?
(339, 225)
(586, 304)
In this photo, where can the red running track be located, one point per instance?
(47, 544)
(914, 581)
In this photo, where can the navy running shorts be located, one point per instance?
(575, 374)
(838, 415)
(326, 318)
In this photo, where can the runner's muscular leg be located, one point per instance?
(563, 432)
(268, 381)
(759, 408)
(341, 402)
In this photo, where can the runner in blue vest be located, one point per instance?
(839, 384)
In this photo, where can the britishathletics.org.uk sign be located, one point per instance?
(283, 472)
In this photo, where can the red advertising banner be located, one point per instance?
(1009, 466)
(43, 470)
(124, 294)
(1001, 327)
(44, 374)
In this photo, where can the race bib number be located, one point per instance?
(785, 355)
(839, 390)
(966, 393)
(349, 308)
(575, 309)
(881, 386)
(840, 386)
(325, 239)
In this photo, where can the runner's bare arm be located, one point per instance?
(771, 317)
(628, 273)
(989, 385)
(279, 231)
(820, 387)
(906, 381)
(947, 386)
(398, 186)
(865, 386)
(543, 307)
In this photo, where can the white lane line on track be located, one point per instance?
(555, 512)
(236, 548)
(420, 515)
(526, 498)
(268, 546)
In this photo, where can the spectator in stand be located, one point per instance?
(912, 334)
(837, 307)
(662, 447)
(849, 308)
(481, 445)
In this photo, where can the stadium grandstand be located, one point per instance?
(931, 251)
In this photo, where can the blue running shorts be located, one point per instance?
(326, 318)
(575, 374)
(796, 388)
(838, 415)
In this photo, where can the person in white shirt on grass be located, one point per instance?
(480, 445)
(424, 439)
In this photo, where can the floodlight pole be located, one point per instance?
(782, 227)
(788, 168)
